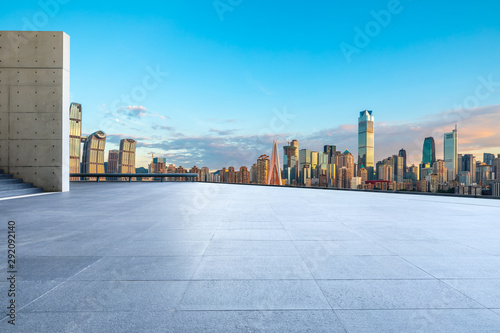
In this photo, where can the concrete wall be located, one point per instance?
(34, 107)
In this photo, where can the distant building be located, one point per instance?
(402, 153)
(451, 151)
(112, 166)
(429, 151)
(75, 138)
(329, 150)
(366, 141)
(126, 159)
(441, 171)
(346, 160)
(93, 153)
(254, 178)
(469, 164)
(243, 176)
(488, 158)
(262, 169)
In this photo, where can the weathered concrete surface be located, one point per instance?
(34, 107)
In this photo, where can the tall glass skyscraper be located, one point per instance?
(429, 151)
(451, 151)
(93, 153)
(75, 138)
(366, 142)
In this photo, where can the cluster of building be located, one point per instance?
(92, 155)
(455, 173)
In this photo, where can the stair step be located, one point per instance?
(15, 186)
(5, 181)
(5, 176)
(23, 191)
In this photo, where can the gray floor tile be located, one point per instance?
(251, 248)
(240, 267)
(108, 296)
(253, 234)
(141, 269)
(484, 266)
(432, 321)
(484, 291)
(363, 267)
(430, 248)
(343, 247)
(84, 322)
(253, 295)
(256, 321)
(393, 294)
(160, 248)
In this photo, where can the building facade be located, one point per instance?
(93, 153)
(451, 151)
(366, 141)
(429, 151)
(75, 138)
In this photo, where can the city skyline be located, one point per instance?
(175, 77)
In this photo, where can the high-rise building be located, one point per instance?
(304, 160)
(329, 150)
(488, 158)
(451, 151)
(112, 161)
(402, 153)
(346, 160)
(254, 174)
(195, 169)
(126, 159)
(429, 151)
(243, 176)
(262, 169)
(469, 164)
(398, 164)
(290, 162)
(274, 174)
(366, 154)
(93, 153)
(440, 169)
(75, 138)
(112, 164)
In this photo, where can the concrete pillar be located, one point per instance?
(34, 107)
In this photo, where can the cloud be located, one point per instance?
(115, 138)
(223, 132)
(166, 128)
(133, 111)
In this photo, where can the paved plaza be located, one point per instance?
(199, 257)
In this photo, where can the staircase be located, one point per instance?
(10, 187)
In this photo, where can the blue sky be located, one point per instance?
(241, 73)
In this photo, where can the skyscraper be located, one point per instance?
(262, 169)
(366, 142)
(451, 151)
(274, 175)
(126, 160)
(488, 158)
(329, 150)
(429, 151)
(93, 153)
(402, 153)
(75, 138)
(290, 161)
(112, 166)
(346, 160)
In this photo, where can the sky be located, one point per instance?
(213, 83)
